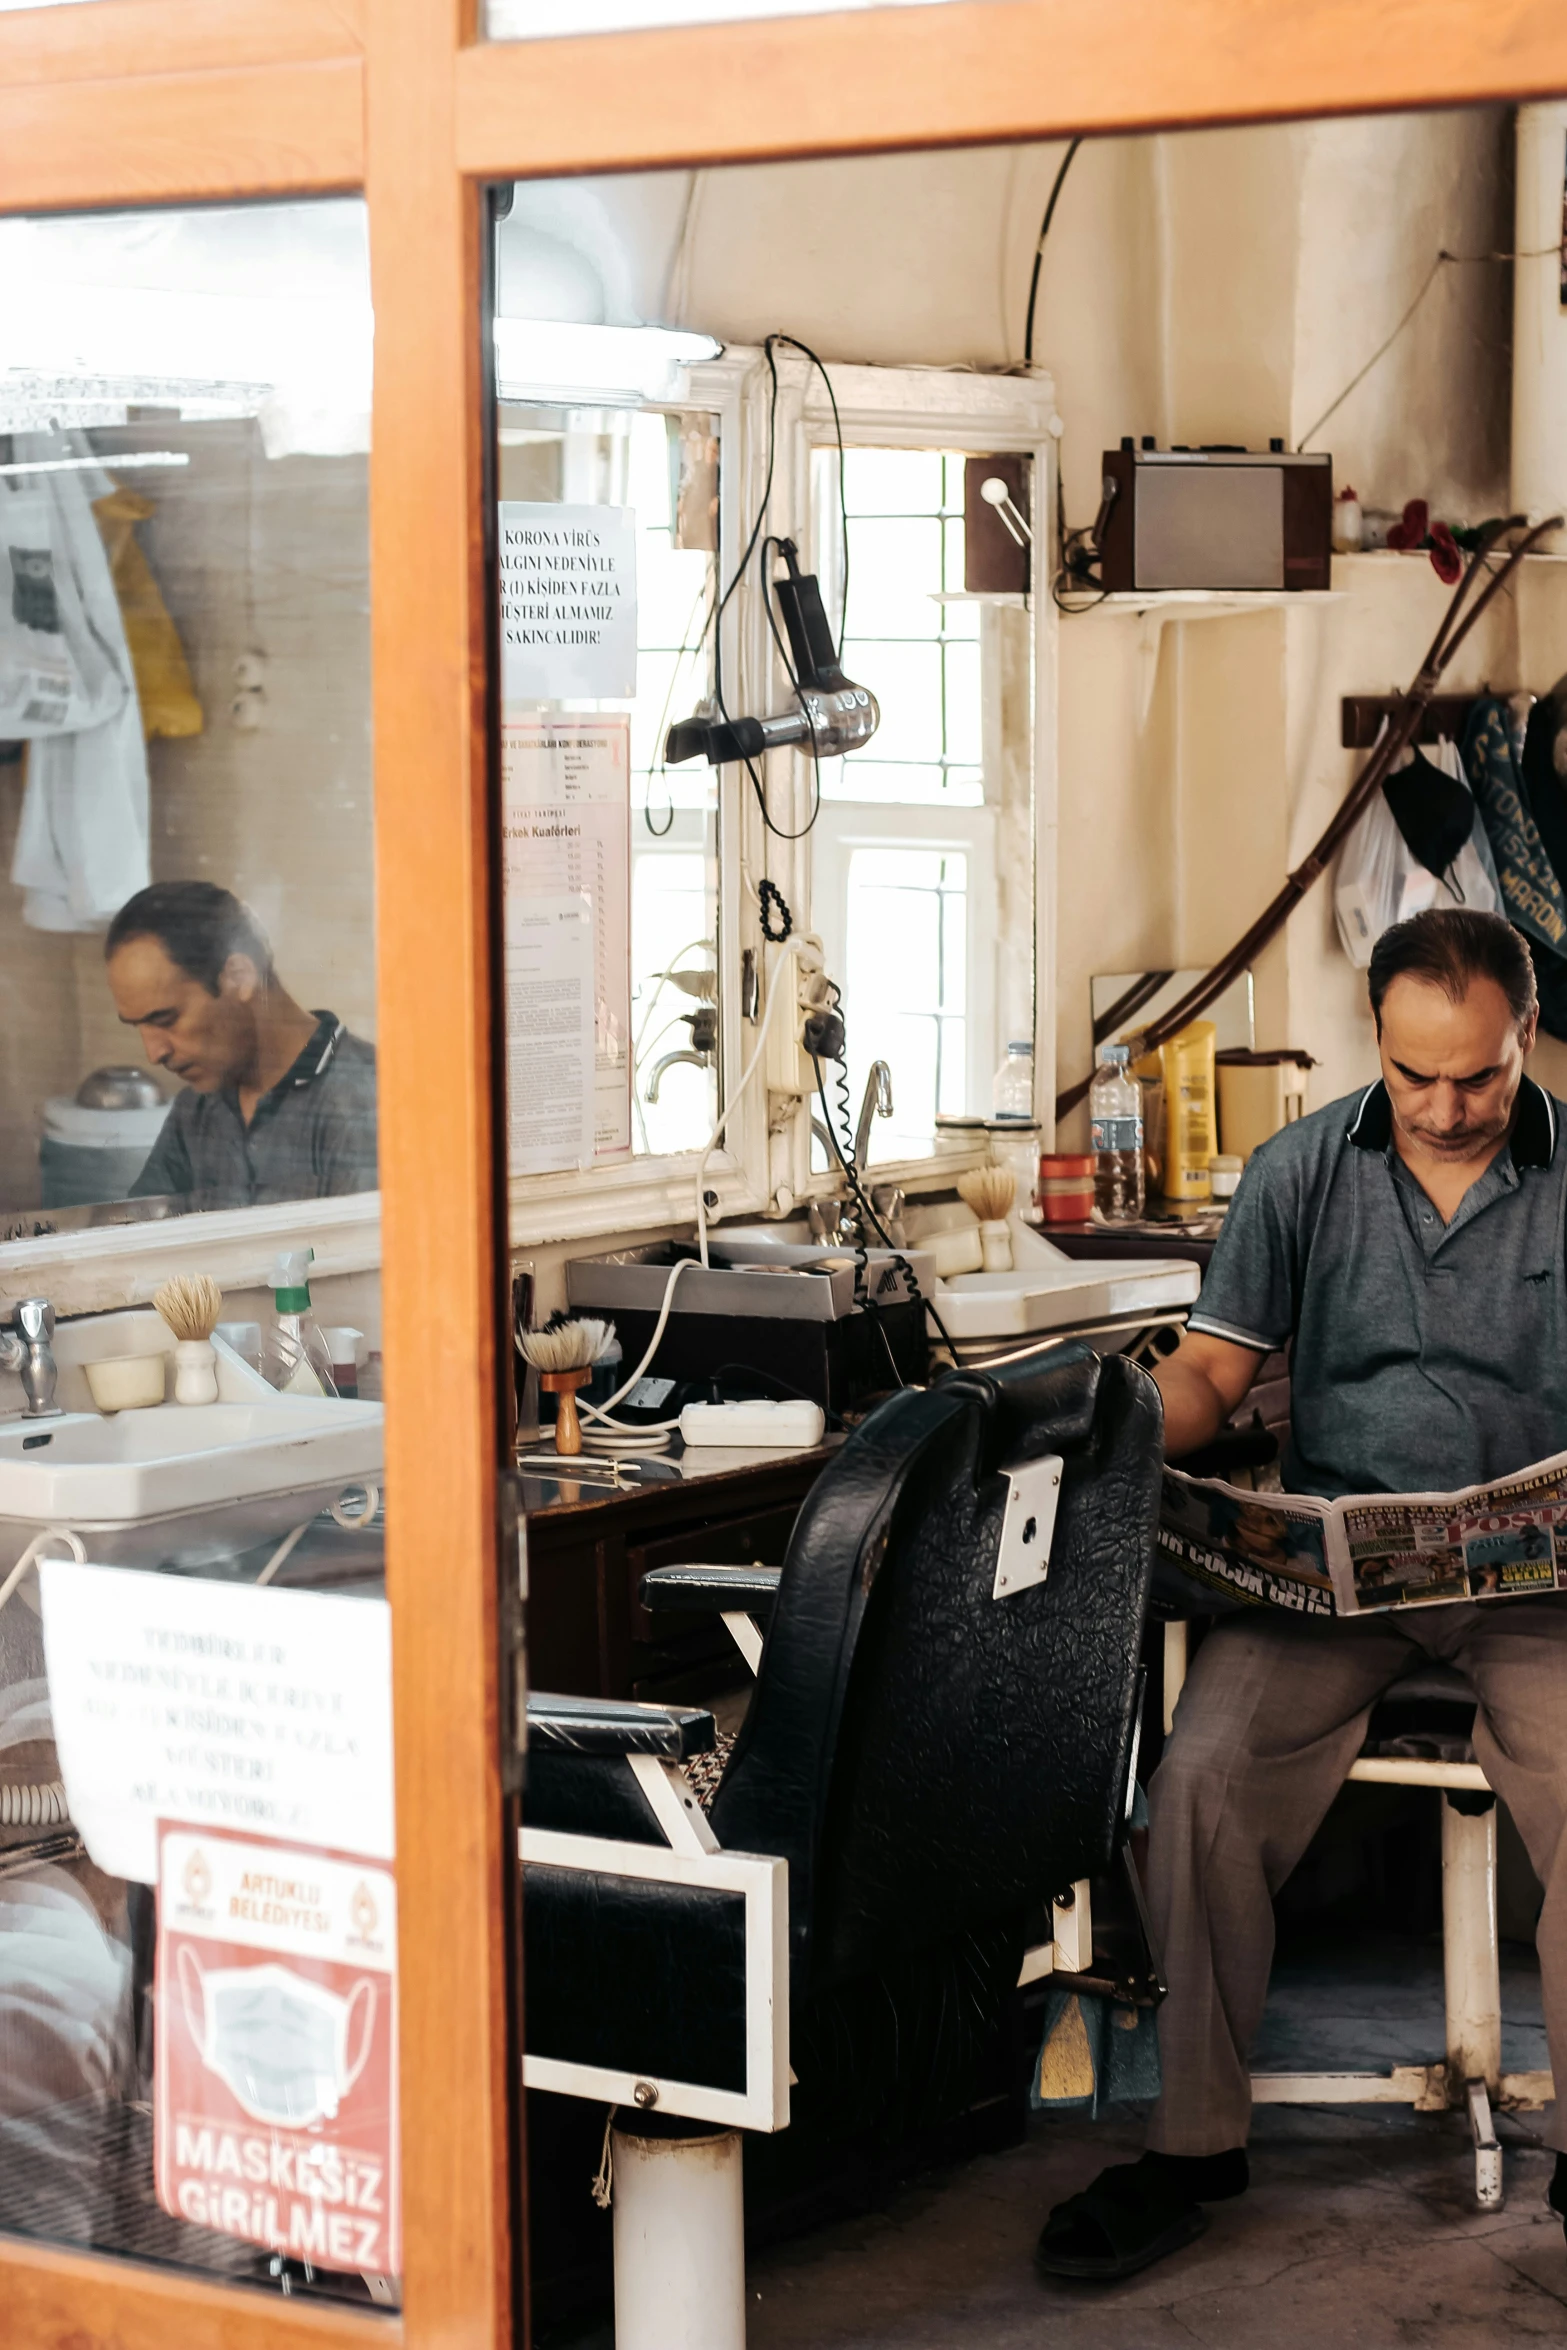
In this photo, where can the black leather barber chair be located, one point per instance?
(940, 1742)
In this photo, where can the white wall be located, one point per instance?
(1220, 285)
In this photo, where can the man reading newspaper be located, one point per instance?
(1407, 1242)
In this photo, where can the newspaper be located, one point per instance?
(1221, 1548)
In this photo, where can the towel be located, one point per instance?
(67, 688)
(1532, 896)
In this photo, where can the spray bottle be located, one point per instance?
(296, 1357)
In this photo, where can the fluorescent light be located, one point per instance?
(594, 365)
(96, 464)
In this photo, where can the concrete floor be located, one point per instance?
(1359, 2227)
(1355, 2231)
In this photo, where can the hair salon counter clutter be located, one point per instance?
(1044, 1291)
(188, 1485)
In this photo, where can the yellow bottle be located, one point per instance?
(1191, 1123)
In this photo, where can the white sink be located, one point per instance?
(88, 1472)
(1048, 1290)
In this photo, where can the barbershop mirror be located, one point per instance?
(187, 958)
(1124, 1003)
(664, 452)
(609, 558)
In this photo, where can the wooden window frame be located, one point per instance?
(141, 102)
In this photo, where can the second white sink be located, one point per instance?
(85, 1471)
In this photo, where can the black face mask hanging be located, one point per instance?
(1434, 811)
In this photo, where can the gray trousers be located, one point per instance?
(1271, 1717)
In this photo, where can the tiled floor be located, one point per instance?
(1359, 2228)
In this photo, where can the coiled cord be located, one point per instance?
(42, 1805)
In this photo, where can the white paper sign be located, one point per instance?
(566, 826)
(568, 602)
(549, 1033)
(183, 1700)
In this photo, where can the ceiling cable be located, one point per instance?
(1039, 250)
(1467, 260)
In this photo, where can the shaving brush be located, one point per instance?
(564, 1353)
(191, 1306)
(990, 1191)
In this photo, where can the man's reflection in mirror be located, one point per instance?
(279, 1103)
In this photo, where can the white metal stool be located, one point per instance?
(1471, 2073)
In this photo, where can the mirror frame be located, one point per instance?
(127, 102)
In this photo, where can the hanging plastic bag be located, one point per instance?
(58, 670)
(1381, 879)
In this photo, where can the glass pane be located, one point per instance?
(950, 672)
(907, 982)
(609, 527)
(197, 1910)
(184, 707)
(891, 563)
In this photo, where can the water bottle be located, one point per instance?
(1013, 1092)
(1115, 1110)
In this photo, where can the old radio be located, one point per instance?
(1215, 518)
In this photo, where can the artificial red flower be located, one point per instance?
(1410, 534)
(1446, 561)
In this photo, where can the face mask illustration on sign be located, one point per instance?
(279, 2042)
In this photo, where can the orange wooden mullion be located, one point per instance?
(442, 1203)
(117, 40)
(983, 70)
(58, 2300)
(288, 129)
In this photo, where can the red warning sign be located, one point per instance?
(275, 2090)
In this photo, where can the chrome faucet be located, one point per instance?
(876, 1104)
(25, 1348)
(698, 1061)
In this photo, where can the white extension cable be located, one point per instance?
(30, 1555)
(44, 1803)
(41, 1805)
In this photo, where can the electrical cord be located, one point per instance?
(770, 349)
(1039, 249)
(1460, 260)
(870, 1216)
(601, 1413)
(770, 900)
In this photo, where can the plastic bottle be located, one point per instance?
(1115, 1110)
(295, 1356)
(1013, 1094)
(1190, 1103)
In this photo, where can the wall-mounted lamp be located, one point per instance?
(995, 493)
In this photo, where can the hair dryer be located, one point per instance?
(831, 713)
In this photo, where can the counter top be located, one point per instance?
(655, 1477)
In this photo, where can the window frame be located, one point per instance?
(119, 103)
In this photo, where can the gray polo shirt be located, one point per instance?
(310, 1137)
(1425, 1355)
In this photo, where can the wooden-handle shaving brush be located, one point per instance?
(990, 1192)
(564, 1353)
(190, 1305)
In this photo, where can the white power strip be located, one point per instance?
(796, 1424)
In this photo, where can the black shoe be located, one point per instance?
(1136, 2213)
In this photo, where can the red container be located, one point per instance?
(1066, 1187)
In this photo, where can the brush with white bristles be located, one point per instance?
(990, 1191)
(190, 1305)
(564, 1353)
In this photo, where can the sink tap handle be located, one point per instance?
(33, 1322)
